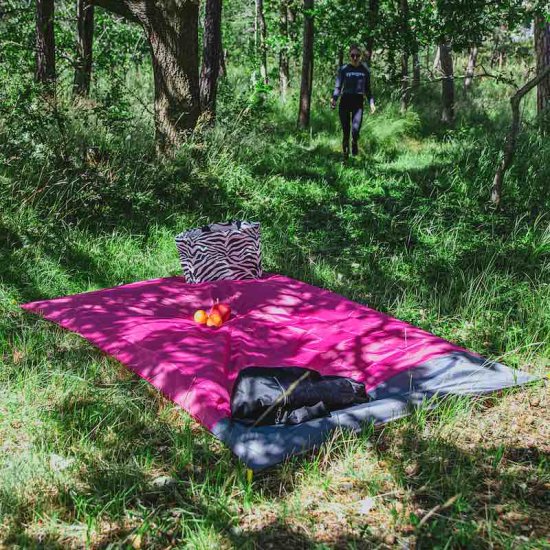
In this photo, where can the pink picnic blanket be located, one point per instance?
(276, 321)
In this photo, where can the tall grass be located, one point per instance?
(89, 455)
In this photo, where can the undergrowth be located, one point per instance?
(405, 227)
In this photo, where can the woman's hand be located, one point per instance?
(333, 103)
(372, 108)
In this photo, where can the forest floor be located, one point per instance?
(90, 455)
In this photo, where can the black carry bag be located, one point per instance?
(221, 251)
(290, 395)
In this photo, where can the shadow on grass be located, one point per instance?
(386, 216)
(473, 499)
(20, 539)
(279, 534)
(134, 438)
(338, 232)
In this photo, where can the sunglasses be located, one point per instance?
(355, 55)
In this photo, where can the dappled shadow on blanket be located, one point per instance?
(276, 321)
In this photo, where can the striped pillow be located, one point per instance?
(221, 251)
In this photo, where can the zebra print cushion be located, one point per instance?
(221, 251)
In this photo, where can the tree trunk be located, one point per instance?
(406, 34)
(437, 60)
(173, 36)
(448, 84)
(496, 56)
(405, 88)
(223, 62)
(291, 16)
(393, 73)
(372, 21)
(471, 68)
(340, 58)
(212, 56)
(45, 42)
(284, 70)
(84, 42)
(293, 35)
(416, 69)
(171, 27)
(511, 139)
(307, 66)
(262, 38)
(542, 47)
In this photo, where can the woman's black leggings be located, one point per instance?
(351, 117)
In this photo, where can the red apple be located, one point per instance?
(223, 309)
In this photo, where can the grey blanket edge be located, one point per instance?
(457, 373)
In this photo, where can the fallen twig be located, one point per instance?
(437, 508)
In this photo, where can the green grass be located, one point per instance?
(405, 227)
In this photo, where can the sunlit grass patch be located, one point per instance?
(92, 455)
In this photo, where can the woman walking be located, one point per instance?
(352, 86)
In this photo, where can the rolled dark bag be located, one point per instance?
(290, 395)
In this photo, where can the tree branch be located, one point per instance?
(497, 77)
(511, 139)
(119, 7)
(485, 74)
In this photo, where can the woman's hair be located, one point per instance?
(354, 48)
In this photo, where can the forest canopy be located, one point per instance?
(280, 46)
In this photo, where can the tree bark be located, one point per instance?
(84, 43)
(447, 83)
(511, 139)
(416, 70)
(173, 36)
(391, 63)
(542, 47)
(340, 58)
(405, 31)
(307, 66)
(212, 56)
(284, 69)
(124, 8)
(223, 60)
(437, 60)
(496, 56)
(500, 60)
(470, 68)
(171, 28)
(262, 39)
(45, 42)
(372, 21)
(405, 86)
